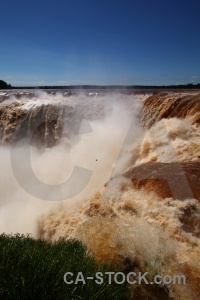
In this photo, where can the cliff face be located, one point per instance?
(177, 180)
(169, 105)
(43, 125)
(44, 118)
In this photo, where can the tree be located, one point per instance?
(4, 85)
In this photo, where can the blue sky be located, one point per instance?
(125, 42)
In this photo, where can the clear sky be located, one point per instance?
(127, 42)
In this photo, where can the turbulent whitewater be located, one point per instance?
(141, 206)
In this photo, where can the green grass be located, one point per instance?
(34, 269)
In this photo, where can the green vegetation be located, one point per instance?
(4, 85)
(34, 269)
(152, 268)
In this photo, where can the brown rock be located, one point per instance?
(178, 180)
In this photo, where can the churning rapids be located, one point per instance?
(134, 198)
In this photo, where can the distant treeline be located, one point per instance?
(182, 86)
(4, 85)
(113, 87)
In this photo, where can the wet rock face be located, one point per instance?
(44, 118)
(43, 125)
(190, 220)
(180, 181)
(180, 105)
(177, 180)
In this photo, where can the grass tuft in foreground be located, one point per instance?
(34, 269)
